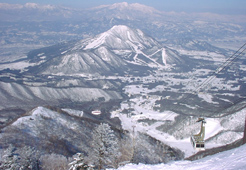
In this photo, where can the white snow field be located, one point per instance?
(234, 159)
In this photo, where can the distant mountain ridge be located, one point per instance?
(35, 12)
(123, 10)
(118, 6)
(72, 23)
(7, 6)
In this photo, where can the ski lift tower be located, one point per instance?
(197, 141)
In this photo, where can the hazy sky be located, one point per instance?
(215, 6)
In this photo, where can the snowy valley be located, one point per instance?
(150, 82)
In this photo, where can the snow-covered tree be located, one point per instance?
(29, 158)
(22, 159)
(79, 164)
(9, 159)
(105, 145)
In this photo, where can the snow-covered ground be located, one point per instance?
(204, 55)
(30, 93)
(231, 159)
(144, 119)
(212, 128)
(73, 112)
(21, 65)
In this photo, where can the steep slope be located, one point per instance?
(68, 132)
(45, 129)
(17, 95)
(123, 37)
(121, 50)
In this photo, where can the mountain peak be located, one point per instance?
(120, 50)
(126, 6)
(31, 5)
(122, 37)
(120, 28)
(121, 5)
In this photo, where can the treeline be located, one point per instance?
(107, 149)
(107, 152)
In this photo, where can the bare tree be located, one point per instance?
(54, 162)
(126, 149)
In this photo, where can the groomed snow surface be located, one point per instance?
(233, 159)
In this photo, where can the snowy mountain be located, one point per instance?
(107, 60)
(26, 96)
(125, 6)
(34, 12)
(6, 6)
(68, 131)
(51, 12)
(125, 11)
(42, 126)
(59, 24)
(75, 71)
(118, 51)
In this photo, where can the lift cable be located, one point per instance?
(205, 83)
(219, 70)
(209, 80)
(239, 100)
(228, 62)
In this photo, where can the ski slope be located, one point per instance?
(228, 160)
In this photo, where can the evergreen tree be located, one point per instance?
(105, 145)
(78, 163)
